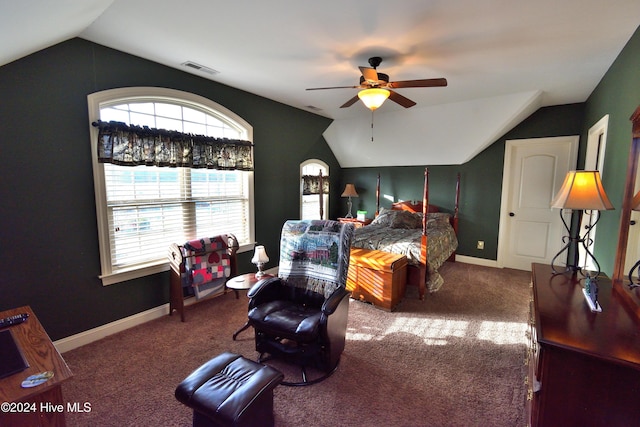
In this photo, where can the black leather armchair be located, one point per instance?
(301, 315)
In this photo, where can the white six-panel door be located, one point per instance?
(530, 230)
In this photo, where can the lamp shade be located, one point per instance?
(349, 191)
(582, 190)
(260, 256)
(373, 98)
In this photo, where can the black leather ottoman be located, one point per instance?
(230, 390)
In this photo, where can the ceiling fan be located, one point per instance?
(377, 84)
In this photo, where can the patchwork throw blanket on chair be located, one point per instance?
(207, 265)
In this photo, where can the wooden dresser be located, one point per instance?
(584, 367)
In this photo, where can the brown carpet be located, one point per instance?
(455, 359)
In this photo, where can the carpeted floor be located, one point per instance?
(455, 359)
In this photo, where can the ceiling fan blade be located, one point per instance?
(333, 87)
(399, 99)
(350, 102)
(369, 74)
(418, 83)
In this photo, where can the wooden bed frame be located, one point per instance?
(417, 276)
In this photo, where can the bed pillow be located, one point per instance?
(405, 219)
(438, 218)
(384, 217)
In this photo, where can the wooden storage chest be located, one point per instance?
(377, 277)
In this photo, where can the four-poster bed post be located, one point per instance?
(377, 196)
(422, 284)
(320, 197)
(419, 275)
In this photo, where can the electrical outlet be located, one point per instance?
(480, 244)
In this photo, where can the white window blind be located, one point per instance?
(150, 207)
(144, 209)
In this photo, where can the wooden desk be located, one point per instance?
(584, 367)
(42, 356)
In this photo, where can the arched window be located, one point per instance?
(314, 189)
(143, 209)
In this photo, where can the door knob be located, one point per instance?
(512, 214)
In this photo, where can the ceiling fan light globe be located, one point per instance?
(373, 98)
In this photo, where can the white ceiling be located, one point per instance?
(503, 59)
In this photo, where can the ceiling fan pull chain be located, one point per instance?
(372, 126)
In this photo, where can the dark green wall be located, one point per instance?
(49, 256)
(49, 252)
(617, 94)
(480, 180)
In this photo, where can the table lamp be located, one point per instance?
(260, 258)
(582, 191)
(349, 191)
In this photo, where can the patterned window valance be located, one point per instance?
(125, 145)
(311, 184)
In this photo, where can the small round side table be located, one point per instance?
(242, 283)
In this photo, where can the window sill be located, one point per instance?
(134, 273)
(147, 270)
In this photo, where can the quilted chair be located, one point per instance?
(301, 315)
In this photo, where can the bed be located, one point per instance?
(427, 244)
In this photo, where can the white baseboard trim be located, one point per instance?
(83, 338)
(477, 261)
(91, 335)
(95, 334)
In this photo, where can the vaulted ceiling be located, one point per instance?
(503, 59)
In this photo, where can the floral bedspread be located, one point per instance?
(441, 241)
